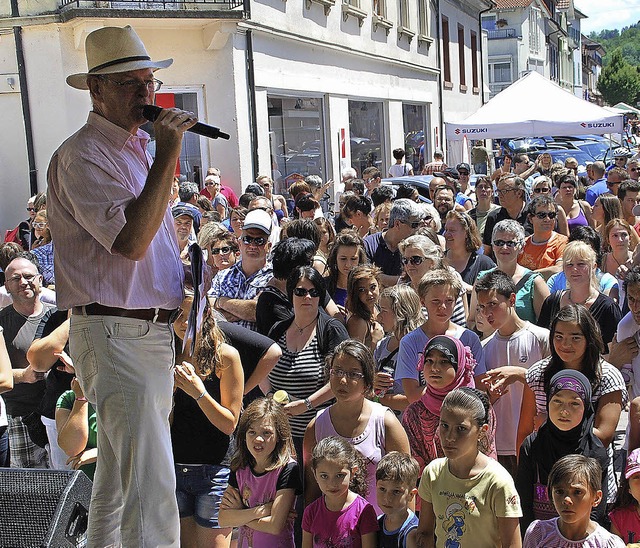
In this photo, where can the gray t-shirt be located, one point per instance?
(19, 333)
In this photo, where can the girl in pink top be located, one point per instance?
(625, 516)
(340, 517)
(264, 480)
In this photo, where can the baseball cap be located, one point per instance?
(179, 210)
(258, 218)
(633, 463)
(463, 167)
(451, 173)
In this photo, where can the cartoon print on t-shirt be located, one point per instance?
(454, 525)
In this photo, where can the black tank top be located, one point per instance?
(194, 439)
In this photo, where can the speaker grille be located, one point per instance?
(28, 501)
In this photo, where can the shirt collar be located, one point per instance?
(118, 136)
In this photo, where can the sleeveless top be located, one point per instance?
(300, 374)
(580, 220)
(370, 444)
(193, 438)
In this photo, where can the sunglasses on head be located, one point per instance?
(259, 241)
(303, 292)
(224, 250)
(414, 260)
(508, 243)
(548, 214)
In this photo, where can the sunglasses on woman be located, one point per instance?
(508, 243)
(224, 250)
(540, 190)
(415, 260)
(303, 292)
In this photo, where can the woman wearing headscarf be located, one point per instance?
(567, 430)
(444, 358)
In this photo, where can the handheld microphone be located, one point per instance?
(151, 112)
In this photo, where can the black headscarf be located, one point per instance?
(551, 443)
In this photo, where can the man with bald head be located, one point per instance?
(22, 322)
(435, 183)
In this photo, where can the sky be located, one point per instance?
(608, 14)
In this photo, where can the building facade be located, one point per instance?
(303, 88)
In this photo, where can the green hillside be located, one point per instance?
(627, 39)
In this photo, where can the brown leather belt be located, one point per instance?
(157, 315)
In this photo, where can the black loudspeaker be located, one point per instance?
(43, 508)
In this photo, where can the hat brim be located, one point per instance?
(79, 81)
(256, 226)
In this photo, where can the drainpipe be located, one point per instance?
(251, 98)
(440, 85)
(482, 52)
(24, 97)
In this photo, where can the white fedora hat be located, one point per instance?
(114, 49)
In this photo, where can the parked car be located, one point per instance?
(560, 155)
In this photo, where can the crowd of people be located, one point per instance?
(357, 369)
(476, 349)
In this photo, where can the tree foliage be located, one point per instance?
(628, 39)
(619, 81)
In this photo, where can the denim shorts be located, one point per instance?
(199, 490)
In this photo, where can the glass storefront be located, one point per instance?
(414, 119)
(366, 131)
(296, 139)
(190, 165)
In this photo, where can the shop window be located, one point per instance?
(366, 133)
(296, 138)
(414, 119)
(192, 163)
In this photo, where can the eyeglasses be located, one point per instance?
(541, 190)
(31, 209)
(39, 225)
(509, 243)
(224, 250)
(259, 241)
(27, 278)
(544, 215)
(351, 375)
(303, 292)
(484, 188)
(133, 85)
(506, 190)
(414, 260)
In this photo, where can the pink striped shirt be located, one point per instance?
(92, 178)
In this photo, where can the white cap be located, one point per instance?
(258, 218)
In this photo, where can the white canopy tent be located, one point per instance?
(534, 107)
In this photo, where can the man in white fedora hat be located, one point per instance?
(118, 269)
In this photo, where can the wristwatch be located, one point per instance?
(308, 403)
